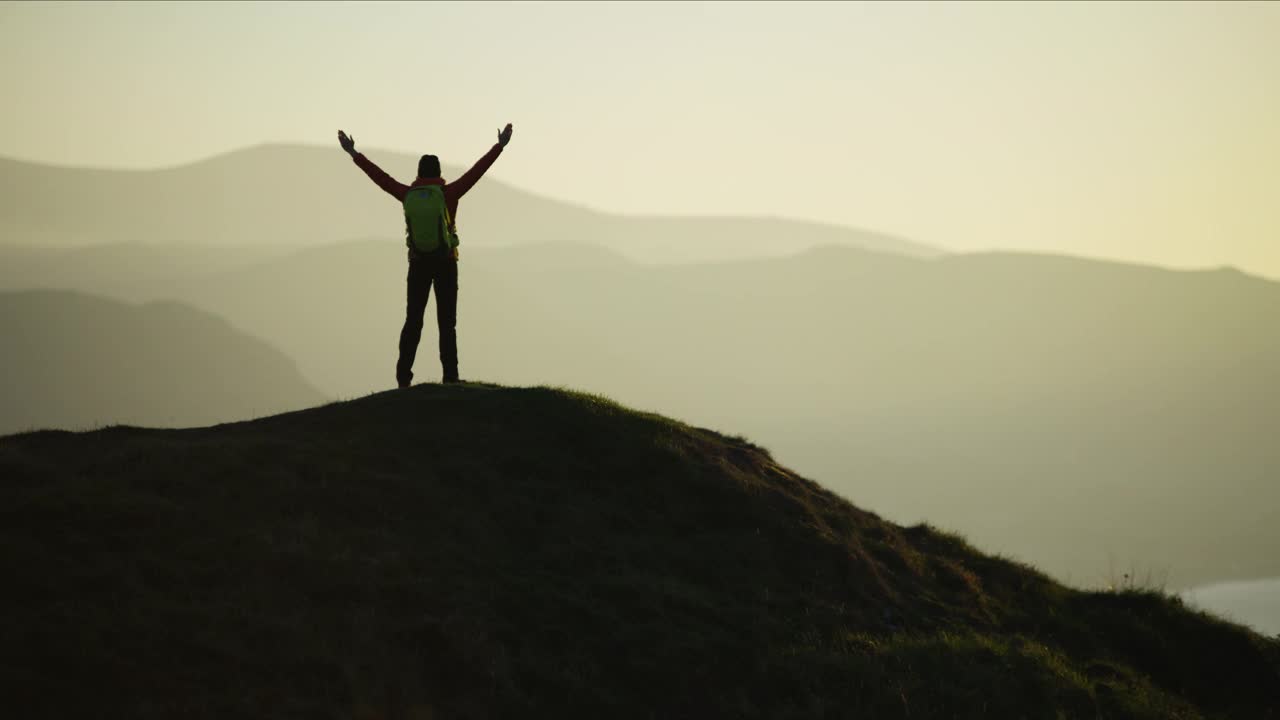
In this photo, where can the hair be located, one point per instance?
(428, 166)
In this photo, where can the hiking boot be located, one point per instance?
(450, 379)
(404, 381)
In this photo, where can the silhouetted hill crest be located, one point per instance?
(476, 551)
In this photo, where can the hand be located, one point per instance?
(349, 143)
(504, 135)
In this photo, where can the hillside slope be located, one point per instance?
(73, 361)
(475, 551)
(303, 196)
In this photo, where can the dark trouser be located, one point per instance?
(424, 270)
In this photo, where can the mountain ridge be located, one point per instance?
(254, 195)
(74, 359)
(1075, 391)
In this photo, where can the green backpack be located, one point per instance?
(428, 226)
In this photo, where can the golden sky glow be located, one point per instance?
(1143, 131)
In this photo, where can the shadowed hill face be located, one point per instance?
(305, 196)
(477, 552)
(74, 361)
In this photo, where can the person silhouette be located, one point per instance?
(431, 214)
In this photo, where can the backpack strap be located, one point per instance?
(448, 220)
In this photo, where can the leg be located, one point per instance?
(446, 278)
(418, 286)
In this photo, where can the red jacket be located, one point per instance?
(452, 191)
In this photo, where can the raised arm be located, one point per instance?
(469, 178)
(375, 173)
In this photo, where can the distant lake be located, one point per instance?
(1255, 603)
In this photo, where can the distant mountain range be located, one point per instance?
(306, 196)
(1091, 417)
(77, 361)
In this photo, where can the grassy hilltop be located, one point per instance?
(477, 551)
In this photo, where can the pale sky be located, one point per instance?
(1146, 131)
